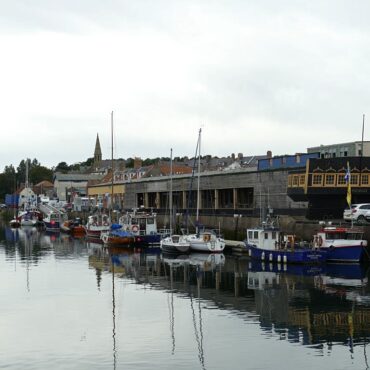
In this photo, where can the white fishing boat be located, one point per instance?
(96, 225)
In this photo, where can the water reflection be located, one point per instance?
(313, 306)
(316, 307)
(310, 305)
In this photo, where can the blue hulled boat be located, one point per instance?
(266, 243)
(342, 244)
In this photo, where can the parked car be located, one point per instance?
(357, 213)
(3, 206)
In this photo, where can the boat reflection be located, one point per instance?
(310, 305)
(331, 306)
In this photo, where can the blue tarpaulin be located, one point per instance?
(11, 200)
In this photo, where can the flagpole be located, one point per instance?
(349, 195)
(362, 147)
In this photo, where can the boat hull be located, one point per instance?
(206, 243)
(148, 239)
(95, 233)
(175, 244)
(53, 226)
(353, 253)
(117, 240)
(287, 256)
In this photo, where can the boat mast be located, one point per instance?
(112, 193)
(26, 179)
(198, 188)
(170, 203)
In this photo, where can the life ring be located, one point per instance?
(135, 228)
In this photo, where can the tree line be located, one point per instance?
(12, 178)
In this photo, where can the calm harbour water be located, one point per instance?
(71, 304)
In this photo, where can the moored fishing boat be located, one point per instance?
(266, 243)
(117, 237)
(342, 244)
(73, 227)
(142, 224)
(96, 225)
(52, 222)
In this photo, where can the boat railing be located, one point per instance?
(164, 232)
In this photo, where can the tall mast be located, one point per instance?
(112, 194)
(171, 205)
(198, 188)
(26, 185)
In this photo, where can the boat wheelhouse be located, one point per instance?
(143, 226)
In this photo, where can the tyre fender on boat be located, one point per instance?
(105, 238)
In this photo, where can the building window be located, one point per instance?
(290, 177)
(341, 179)
(354, 179)
(302, 180)
(295, 180)
(330, 179)
(345, 154)
(365, 179)
(317, 179)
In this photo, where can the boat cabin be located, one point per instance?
(265, 238)
(140, 223)
(337, 234)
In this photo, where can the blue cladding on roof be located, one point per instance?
(286, 161)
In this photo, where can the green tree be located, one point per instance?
(7, 182)
(62, 167)
(130, 163)
(40, 173)
(88, 162)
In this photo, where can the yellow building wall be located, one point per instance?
(104, 189)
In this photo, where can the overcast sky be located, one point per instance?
(255, 75)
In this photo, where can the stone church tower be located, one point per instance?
(97, 153)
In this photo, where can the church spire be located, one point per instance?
(97, 153)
